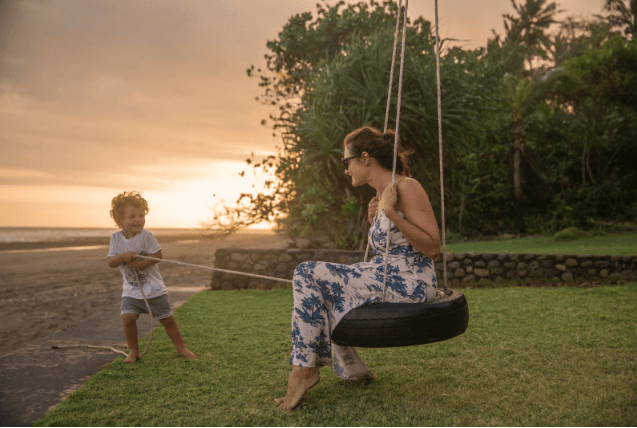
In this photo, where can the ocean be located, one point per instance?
(53, 234)
(40, 234)
(22, 239)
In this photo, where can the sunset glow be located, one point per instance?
(182, 204)
(98, 97)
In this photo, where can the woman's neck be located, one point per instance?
(380, 180)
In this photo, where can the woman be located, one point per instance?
(325, 292)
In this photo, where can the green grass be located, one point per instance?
(612, 244)
(530, 357)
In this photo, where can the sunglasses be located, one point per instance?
(347, 159)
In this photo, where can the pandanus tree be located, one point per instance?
(306, 42)
(351, 91)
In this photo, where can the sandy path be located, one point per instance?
(46, 291)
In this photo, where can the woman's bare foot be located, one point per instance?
(187, 353)
(132, 357)
(301, 380)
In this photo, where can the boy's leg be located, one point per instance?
(173, 331)
(130, 331)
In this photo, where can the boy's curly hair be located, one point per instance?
(125, 198)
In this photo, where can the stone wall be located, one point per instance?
(462, 268)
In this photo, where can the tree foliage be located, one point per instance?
(538, 126)
(597, 96)
(528, 28)
(623, 14)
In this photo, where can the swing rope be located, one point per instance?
(396, 132)
(393, 64)
(440, 149)
(442, 182)
(389, 90)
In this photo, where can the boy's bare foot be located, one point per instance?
(301, 380)
(187, 353)
(131, 358)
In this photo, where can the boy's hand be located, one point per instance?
(142, 262)
(129, 257)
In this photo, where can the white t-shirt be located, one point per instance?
(144, 243)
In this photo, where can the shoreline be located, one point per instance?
(104, 241)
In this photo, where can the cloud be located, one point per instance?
(101, 88)
(115, 94)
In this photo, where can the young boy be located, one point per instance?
(129, 211)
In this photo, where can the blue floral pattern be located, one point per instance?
(325, 292)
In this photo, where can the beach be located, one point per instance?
(51, 285)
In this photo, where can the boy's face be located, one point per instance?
(132, 221)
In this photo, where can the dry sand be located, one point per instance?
(52, 286)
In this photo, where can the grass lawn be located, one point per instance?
(530, 357)
(624, 243)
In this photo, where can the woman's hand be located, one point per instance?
(390, 200)
(372, 208)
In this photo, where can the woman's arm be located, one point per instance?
(419, 225)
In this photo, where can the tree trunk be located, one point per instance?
(517, 178)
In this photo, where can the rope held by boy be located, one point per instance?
(148, 306)
(117, 351)
(253, 275)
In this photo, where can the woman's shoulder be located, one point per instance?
(412, 192)
(408, 183)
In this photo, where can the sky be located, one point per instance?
(99, 97)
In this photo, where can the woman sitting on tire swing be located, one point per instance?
(325, 292)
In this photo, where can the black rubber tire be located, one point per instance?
(388, 325)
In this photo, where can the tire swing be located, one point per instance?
(387, 325)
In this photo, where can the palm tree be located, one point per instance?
(522, 97)
(529, 27)
(622, 13)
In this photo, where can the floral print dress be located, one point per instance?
(325, 292)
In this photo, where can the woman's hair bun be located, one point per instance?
(389, 136)
(380, 146)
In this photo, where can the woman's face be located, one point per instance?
(354, 168)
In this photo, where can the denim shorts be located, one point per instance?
(160, 306)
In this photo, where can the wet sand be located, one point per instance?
(46, 287)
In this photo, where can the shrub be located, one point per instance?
(570, 234)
